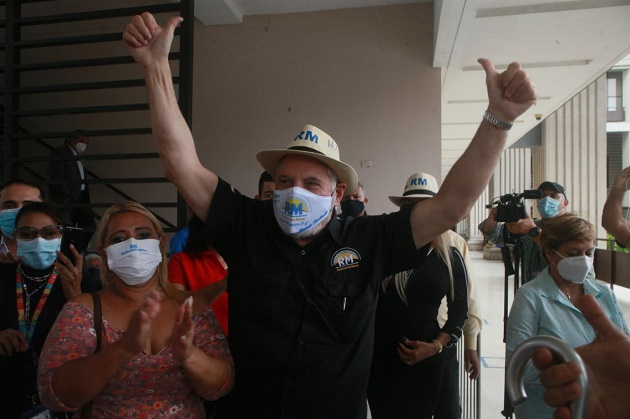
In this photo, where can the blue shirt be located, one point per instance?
(540, 308)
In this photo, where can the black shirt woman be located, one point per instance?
(32, 293)
(411, 349)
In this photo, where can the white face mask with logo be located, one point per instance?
(300, 213)
(134, 261)
(575, 268)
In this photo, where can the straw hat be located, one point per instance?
(419, 185)
(314, 143)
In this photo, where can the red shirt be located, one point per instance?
(197, 270)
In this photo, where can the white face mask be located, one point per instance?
(301, 214)
(80, 147)
(575, 268)
(134, 261)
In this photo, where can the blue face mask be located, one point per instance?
(548, 207)
(7, 221)
(38, 253)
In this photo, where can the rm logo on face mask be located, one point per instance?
(345, 258)
(295, 207)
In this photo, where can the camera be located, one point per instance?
(511, 208)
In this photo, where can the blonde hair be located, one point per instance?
(565, 228)
(440, 245)
(167, 287)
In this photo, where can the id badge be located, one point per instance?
(37, 412)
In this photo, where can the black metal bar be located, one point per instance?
(98, 14)
(101, 181)
(11, 79)
(84, 110)
(89, 133)
(70, 40)
(13, 68)
(116, 84)
(92, 62)
(99, 157)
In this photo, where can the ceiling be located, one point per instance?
(563, 46)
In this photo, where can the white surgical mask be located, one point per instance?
(300, 212)
(80, 147)
(575, 268)
(134, 261)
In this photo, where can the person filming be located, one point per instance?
(553, 202)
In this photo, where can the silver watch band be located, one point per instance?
(499, 123)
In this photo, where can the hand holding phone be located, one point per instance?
(72, 236)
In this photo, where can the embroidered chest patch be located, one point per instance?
(345, 258)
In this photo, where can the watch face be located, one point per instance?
(534, 231)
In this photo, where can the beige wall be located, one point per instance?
(573, 153)
(362, 75)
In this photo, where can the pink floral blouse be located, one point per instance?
(147, 386)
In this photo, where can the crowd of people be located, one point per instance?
(326, 312)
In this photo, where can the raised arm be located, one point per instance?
(510, 94)
(149, 45)
(612, 217)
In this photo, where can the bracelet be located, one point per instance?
(438, 346)
(499, 123)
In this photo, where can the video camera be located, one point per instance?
(510, 207)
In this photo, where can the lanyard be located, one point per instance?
(27, 327)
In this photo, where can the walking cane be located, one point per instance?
(515, 388)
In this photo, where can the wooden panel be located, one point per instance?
(603, 264)
(613, 267)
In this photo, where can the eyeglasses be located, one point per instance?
(46, 233)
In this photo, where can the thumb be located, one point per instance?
(172, 24)
(594, 314)
(488, 67)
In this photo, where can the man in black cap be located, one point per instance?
(554, 202)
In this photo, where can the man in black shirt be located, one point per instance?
(303, 284)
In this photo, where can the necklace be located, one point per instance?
(28, 295)
(23, 297)
(568, 295)
(36, 278)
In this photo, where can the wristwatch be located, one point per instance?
(534, 232)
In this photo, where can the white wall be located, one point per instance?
(362, 75)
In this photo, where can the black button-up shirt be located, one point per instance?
(302, 319)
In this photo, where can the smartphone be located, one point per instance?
(72, 236)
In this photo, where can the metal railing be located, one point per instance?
(32, 72)
(469, 390)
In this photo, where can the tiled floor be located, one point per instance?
(489, 280)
